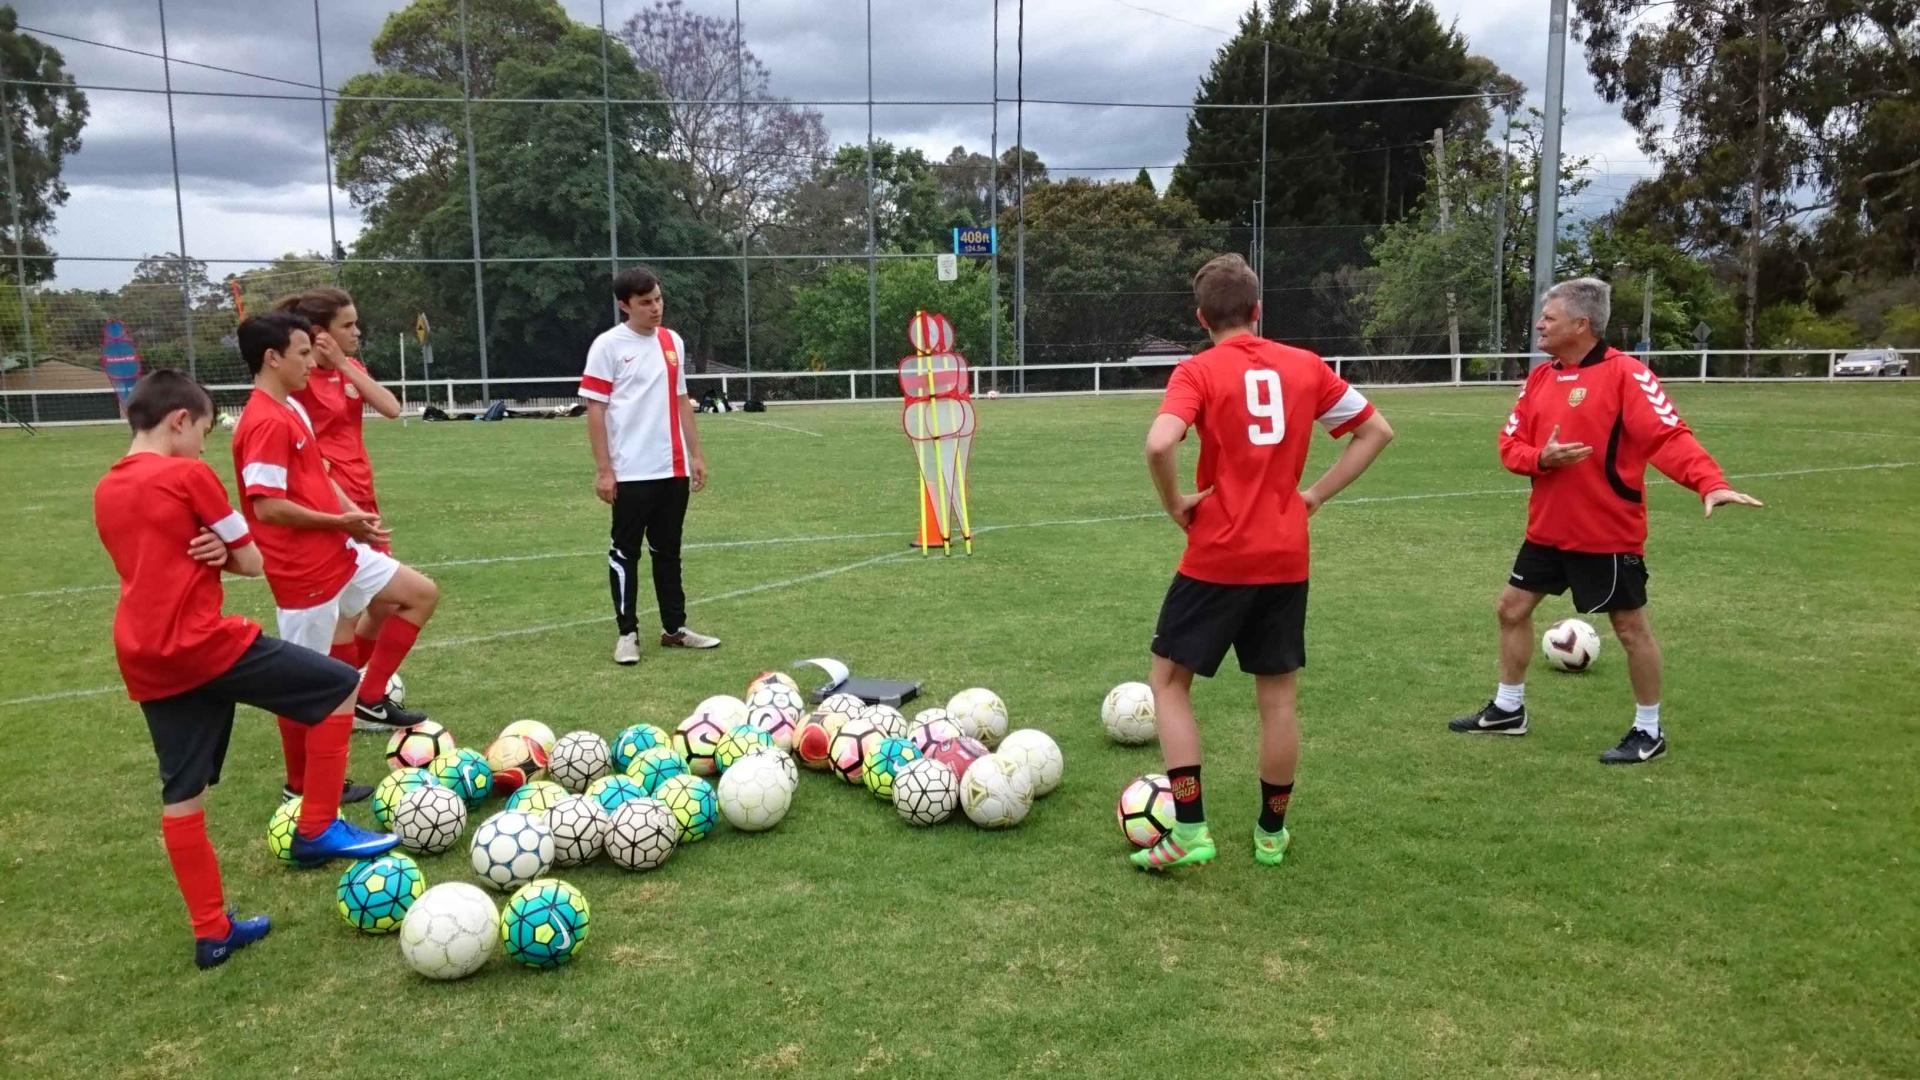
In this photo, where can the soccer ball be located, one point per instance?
(778, 723)
(537, 797)
(930, 728)
(925, 792)
(1039, 753)
(392, 788)
(883, 763)
(780, 757)
(1570, 645)
(959, 754)
(642, 834)
(511, 848)
(280, 827)
(227, 421)
(535, 730)
(578, 759)
(578, 825)
(734, 745)
(1127, 714)
(514, 760)
(993, 395)
(396, 689)
(450, 931)
(754, 794)
(847, 753)
(612, 791)
(773, 695)
(430, 819)
(634, 741)
(374, 894)
(1145, 812)
(842, 703)
(774, 678)
(466, 772)
(996, 792)
(811, 740)
(414, 747)
(724, 709)
(654, 766)
(886, 718)
(981, 714)
(697, 736)
(693, 804)
(544, 924)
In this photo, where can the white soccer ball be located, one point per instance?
(754, 794)
(842, 703)
(396, 689)
(578, 825)
(578, 759)
(724, 710)
(776, 695)
(885, 718)
(981, 715)
(1127, 714)
(512, 848)
(430, 819)
(535, 730)
(993, 395)
(642, 834)
(450, 931)
(1040, 754)
(228, 422)
(997, 792)
(930, 728)
(1571, 645)
(780, 757)
(925, 792)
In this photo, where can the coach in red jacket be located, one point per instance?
(1584, 429)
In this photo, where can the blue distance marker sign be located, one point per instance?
(974, 240)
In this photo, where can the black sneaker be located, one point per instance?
(1492, 720)
(385, 711)
(1637, 747)
(350, 792)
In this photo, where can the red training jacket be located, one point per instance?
(1611, 402)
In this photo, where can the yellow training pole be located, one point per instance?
(940, 509)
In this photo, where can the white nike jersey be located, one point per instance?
(641, 386)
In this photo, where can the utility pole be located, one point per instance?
(1547, 228)
(1646, 314)
(1446, 229)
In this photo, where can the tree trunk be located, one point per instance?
(1755, 226)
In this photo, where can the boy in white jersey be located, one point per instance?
(646, 455)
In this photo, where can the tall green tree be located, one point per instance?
(1341, 165)
(833, 312)
(44, 123)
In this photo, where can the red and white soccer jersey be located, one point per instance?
(1611, 402)
(641, 380)
(1255, 402)
(276, 455)
(333, 405)
(168, 632)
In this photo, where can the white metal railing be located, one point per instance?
(467, 394)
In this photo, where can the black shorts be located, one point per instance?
(190, 730)
(1265, 625)
(1599, 582)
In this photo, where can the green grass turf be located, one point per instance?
(1450, 907)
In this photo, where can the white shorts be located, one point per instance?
(313, 627)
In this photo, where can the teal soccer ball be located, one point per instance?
(634, 741)
(375, 894)
(545, 923)
(466, 772)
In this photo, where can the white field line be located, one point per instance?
(771, 424)
(817, 575)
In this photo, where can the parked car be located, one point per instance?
(1871, 362)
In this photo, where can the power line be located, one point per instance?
(1255, 105)
(1171, 18)
(172, 60)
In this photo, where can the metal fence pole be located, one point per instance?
(606, 102)
(873, 280)
(326, 143)
(1020, 190)
(1546, 232)
(1260, 215)
(746, 285)
(473, 200)
(993, 211)
(179, 210)
(19, 247)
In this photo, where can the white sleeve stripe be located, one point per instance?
(593, 395)
(230, 528)
(261, 474)
(1351, 404)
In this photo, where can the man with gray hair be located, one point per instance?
(1587, 516)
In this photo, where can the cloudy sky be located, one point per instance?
(253, 174)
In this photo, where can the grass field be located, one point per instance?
(1451, 907)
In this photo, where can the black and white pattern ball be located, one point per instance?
(429, 820)
(578, 825)
(642, 834)
(925, 792)
(579, 758)
(512, 848)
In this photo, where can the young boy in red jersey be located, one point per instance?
(319, 557)
(165, 521)
(1243, 581)
(336, 399)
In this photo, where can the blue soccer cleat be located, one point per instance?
(342, 840)
(212, 952)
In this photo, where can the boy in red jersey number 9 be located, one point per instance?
(1242, 583)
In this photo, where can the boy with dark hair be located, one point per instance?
(1243, 581)
(166, 523)
(318, 555)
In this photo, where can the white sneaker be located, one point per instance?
(686, 638)
(627, 649)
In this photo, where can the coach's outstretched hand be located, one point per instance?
(1728, 495)
(1557, 454)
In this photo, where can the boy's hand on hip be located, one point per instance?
(1182, 509)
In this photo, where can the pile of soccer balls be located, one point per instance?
(960, 757)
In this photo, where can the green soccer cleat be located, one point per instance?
(1184, 845)
(1270, 848)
